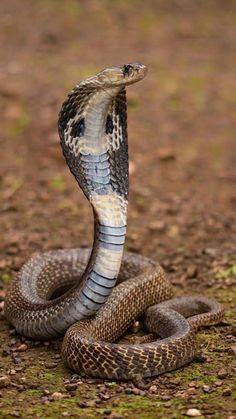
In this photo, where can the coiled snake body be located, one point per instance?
(64, 289)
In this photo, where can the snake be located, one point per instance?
(92, 296)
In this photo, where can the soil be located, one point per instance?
(182, 125)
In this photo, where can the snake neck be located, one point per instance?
(104, 265)
(93, 132)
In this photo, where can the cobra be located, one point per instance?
(95, 295)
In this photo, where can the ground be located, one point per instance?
(182, 125)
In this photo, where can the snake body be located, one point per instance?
(74, 290)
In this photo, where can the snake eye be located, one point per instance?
(127, 69)
(78, 128)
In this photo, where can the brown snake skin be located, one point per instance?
(74, 290)
(87, 344)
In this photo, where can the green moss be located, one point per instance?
(6, 277)
(227, 272)
(19, 125)
(140, 202)
(58, 183)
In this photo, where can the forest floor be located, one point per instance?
(182, 128)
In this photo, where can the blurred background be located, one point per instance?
(182, 121)
(182, 129)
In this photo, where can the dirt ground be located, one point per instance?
(182, 129)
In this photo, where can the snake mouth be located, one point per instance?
(122, 75)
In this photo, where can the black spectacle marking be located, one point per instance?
(109, 125)
(78, 128)
(127, 69)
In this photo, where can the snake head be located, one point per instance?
(122, 75)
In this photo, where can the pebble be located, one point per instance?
(153, 389)
(83, 405)
(46, 392)
(50, 365)
(19, 369)
(135, 326)
(192, 271)
(218, 383)
(22, 348)
(19, 387)
(4, 381)
(166, 154)
(234, 331)
(105, 396)
(16, 414)
(206, 389)
(57, 396)
(135, 391)
(107, 411)
(233, 349)
(12, 371)
(191, 391)
(128, 390)
(98, 401)
(157, 226)
(222, 374)
(210, 251)
(45, 400)
(114, 415)
(227, 392)
(201, 359)
(71, 386)
(165, 397)
(173, 231)
(193, 413)
(91, 403)
(142, 393)
(192, 384)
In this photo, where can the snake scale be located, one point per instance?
(95, 295)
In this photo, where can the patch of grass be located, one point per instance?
(140, 202)
(215, 150)
(227, 272)
(148, 21)
(19, 125)
(70, 8)
(58, 183)
(6, 277)
(20, 160)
